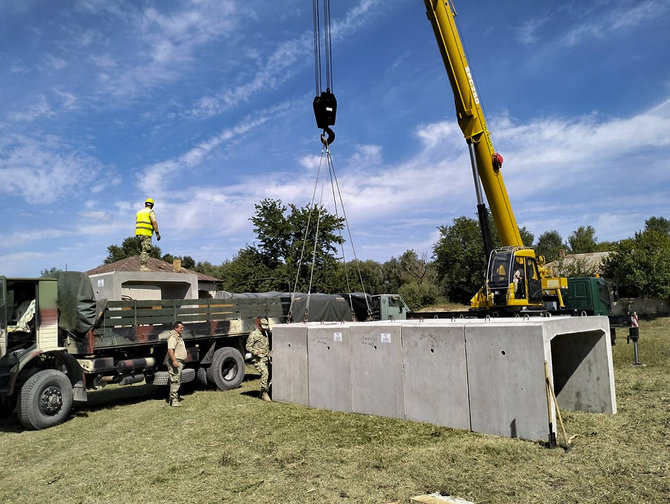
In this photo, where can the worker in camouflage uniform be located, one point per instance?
(258, 344)
(145, 225)
(175, 361)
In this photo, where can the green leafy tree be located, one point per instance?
(208, 268)
(640, 266)
(459, 259)
(420, 294)
(526, 237)
(246, 272)
(659, 224)
(288, 239)
(550, 245)
(583, 240)
(360, 276)
(186, 261)
(129, 248)
(50, 272)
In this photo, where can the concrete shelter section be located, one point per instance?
(290, 373)
(329, 360)
(436, 382)
(376, 370)
(506, 380)
(486, 375)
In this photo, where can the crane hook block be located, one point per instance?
(325, 108)
(497, 162)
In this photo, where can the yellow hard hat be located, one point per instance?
(150, 201)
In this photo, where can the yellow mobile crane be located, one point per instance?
(515, 278)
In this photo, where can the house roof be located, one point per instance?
(591, 260)
(133, 264)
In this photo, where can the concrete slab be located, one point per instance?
(506, 380)
(436, 384)
(329, 352)
(290, 374)
(376, 369)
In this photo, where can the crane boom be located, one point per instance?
(515, 279)
(471, 119)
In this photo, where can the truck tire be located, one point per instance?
(161, 378)
(45, 399)
(227, 369)
(202, 375)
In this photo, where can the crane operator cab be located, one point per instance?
(512, 280)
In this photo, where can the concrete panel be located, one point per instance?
(376, 370)
(329, 351)
(290, 374)
(436, 385)
(506, 379)
(432, 370)
(581, 363)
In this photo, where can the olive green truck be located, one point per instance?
(57, 341)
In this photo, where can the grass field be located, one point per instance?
(127, 445)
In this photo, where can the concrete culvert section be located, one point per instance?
(485, 375)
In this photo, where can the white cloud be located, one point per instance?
(45, 169)
(614, 20)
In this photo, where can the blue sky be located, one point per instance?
(206, 106)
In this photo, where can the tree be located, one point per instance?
(246, 272)
(460, 260)
(658, 224)
(550, 245)
(526, 236)
(640, 266)
(187, 262)
(419, 295)
(303, 239)
(583, 240)
(50, 272)
(129, 248)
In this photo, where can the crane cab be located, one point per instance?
(515, 280)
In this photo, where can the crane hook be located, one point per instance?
(326, 141)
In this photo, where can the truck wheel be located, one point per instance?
(202, 375)
(45, 399)
(227, 369)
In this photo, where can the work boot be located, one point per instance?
(266, 397)
(144, 268)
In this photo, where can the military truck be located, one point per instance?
(57, 341)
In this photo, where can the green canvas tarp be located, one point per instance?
(77, 307)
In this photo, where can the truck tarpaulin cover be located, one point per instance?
(77, 305)
(322, 307)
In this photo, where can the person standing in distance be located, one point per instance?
(176, 358)
(145, 225)
(258, 344)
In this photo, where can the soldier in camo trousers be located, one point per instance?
(258, 344)
(176, 358)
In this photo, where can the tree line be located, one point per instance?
(301, 248)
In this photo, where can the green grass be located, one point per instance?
(127, 445)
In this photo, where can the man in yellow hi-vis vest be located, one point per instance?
(145, 225)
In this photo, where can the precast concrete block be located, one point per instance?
(376, 369)
(290, 372)
(581, 363)
(506, 379)
(329, 351)
(436, 383)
